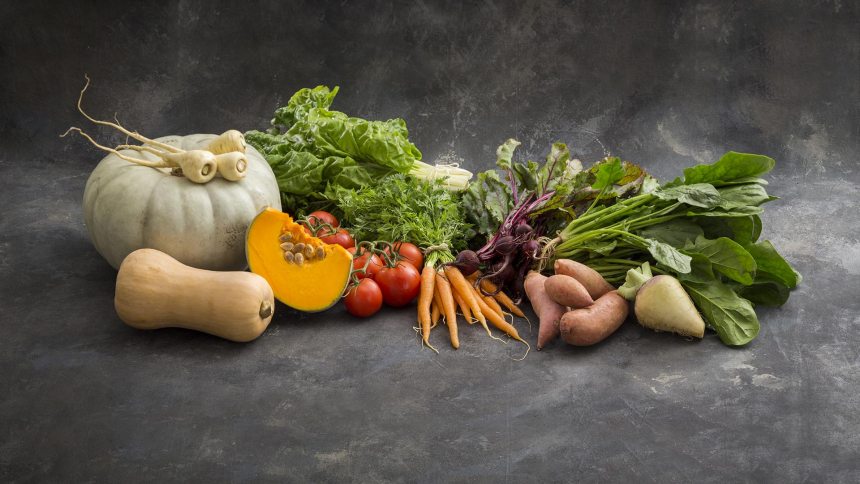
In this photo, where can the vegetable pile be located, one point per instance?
(365, 220)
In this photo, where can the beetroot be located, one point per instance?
(467, 262)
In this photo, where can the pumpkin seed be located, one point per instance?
(309, 252)
(289, 257)
(321, 252)
(285, 237)
(299, 259)
(287, 246)
(298, 248)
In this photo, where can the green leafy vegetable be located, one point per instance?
(404, 208)
(732, 316)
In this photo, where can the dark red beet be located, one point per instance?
(503, 272)
(532, 249)
(505, 245)
(467, 262)
(523, 230)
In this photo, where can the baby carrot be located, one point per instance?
(448, 305)
(455, 277)
(428, 283)
(464, 308)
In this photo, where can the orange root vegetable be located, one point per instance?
(548, 311)
(428, 284)
(464, 308)
(567, 291)
(499, 322)
(467, 292)
(587, 326)
(449, 307)
(492, 304)
(434, 316)
(490, 287)
(590, 279)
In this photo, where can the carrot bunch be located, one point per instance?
(446, 289)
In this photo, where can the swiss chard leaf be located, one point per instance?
(732, 316)
(732, 166)
(301, 103)
(727, 257)
(608, 174)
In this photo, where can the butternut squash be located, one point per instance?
(305, 273)
(154, 290)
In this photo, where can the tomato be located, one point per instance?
(372, 268)
(319, 217)
(364, 299)
(341, 238)
(399, 284)
(410, 252)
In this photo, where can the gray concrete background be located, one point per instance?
(328, 398)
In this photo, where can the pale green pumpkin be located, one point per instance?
(129, 207)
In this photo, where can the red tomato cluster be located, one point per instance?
(396, 286)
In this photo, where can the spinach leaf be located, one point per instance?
(702, 195)
(750, 194)
(701, 269)
(756, 231)
(668, 256)
(727, 257)
(765, 291)
(771, 263)
(722, 212)
(730, 315)
(739, 229)
(674, 232)
(730, 167)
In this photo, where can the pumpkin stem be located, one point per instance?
(265, 309)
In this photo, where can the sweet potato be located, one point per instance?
(567, 291)
(587, 326)
(549, 311)
(590, 279)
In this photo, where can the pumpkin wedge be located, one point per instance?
(304, 272)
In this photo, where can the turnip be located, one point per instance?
(660, 303)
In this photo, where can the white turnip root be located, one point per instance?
(567, 291)
(548, 311)
(593, 282)
(591, 325)
(660, 303)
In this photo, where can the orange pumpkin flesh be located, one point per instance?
(317, 283)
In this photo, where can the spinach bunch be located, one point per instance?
(312, 149)
(704, 229)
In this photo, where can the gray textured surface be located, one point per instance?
(327, 398)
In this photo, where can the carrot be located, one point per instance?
(500, 322)
(490, 287)
(501, 297)
(492, 304)
(449, 307)
(464, 308)
(467, 292)
(428, 283)
(434, 315)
